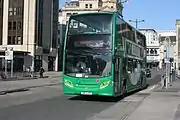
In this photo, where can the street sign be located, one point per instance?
(9, 54)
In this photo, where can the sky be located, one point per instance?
(158, 14)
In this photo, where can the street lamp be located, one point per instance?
(137, 21)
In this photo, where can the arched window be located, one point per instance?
(151, 51)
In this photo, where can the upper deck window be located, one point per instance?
(90, 24)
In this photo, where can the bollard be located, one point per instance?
(163, 80)
(3, 75)
(174, 76)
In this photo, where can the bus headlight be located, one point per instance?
(68, 83)
(104, 84)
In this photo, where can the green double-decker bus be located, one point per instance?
(103, 55)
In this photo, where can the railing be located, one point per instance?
(19, 75)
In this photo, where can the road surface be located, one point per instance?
(49, 103)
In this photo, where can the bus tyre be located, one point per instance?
(124, 87)
(142, 86)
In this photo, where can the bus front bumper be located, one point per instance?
(88, 86)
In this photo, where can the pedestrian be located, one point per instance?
(41, 72)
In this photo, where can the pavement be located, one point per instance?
(154, 103)
(161, 104)
(50, 78)
(9, 86)
(28, 75)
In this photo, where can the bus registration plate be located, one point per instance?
(86, 93)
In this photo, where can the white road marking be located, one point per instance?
(149, 89)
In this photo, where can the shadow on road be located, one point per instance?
(103, 98)
(96, 98)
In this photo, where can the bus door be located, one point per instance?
(117, 70)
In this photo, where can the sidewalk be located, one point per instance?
(27, 76)
(162, 104)
(20, 85)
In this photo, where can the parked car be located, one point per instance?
(148, 73)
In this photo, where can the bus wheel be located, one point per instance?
(142, 86)
(124, 87)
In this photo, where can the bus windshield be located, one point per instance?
(88, 45)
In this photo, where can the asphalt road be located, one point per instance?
(53, 105)
(45, 106)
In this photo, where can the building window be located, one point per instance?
(10, 11)
(9, 25)
(39, 22)
(86, 5)
(151, 51)
(14, 25)
(14, 11)
(14, 40)
(1, 11)
(19, 11)
(19, 41)
(1, 20)
(147, 51)
(19, 25)
(68, 14)
(90, 5)
(9, 40)
(155, 50)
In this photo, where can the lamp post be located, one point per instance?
(137, 21)
(168, 60)
(57, 57)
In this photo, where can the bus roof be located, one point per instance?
(89, 13)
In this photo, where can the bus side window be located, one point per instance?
(130, 65)
(135, 64)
